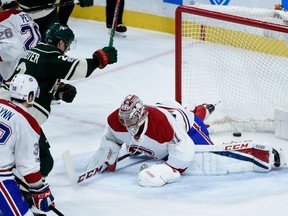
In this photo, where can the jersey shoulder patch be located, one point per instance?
(30, 119)
(6, 14)
(159, 127)
(114, 123)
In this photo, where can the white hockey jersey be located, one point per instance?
(164, 134)
(19, 135)
(18, 33)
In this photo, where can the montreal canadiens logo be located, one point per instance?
(219, 2)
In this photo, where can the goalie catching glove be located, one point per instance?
(42, 197)
(107, 55)
(65, 92)
(157, 175)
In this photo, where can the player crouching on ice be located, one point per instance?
(180, 137)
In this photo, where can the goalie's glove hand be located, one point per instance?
(107, 55)
(157, 175)
(65, 92)
(42, 197)
(86, 3)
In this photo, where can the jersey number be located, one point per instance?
(33, 35)
(6, 33)
(5, 133)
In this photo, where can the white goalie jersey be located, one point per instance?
(165, 137)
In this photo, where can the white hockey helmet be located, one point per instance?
(132, 113)
(22, 85)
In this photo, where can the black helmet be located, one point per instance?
(57, 32)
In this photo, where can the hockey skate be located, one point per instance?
(279, 158)
(120, 30)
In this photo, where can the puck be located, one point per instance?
(237, 134)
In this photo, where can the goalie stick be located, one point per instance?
(24, 185)
(232, 146)
(76, 179)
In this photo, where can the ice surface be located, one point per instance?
(145, 68)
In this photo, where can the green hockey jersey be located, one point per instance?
(48, 65)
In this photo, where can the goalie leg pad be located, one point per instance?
(235, 157)
(157, 175)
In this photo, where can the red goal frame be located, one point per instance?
(215, 15)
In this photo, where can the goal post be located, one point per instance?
(235, 55)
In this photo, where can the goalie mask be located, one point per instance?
(132, 113)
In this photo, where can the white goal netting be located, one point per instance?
(238, 60)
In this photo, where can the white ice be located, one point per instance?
(145, 67)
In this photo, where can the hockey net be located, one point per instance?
(234, 55)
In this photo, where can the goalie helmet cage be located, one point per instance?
(235, 55)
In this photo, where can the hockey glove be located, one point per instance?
(157, 175)
(65, 92)
(107, 55)
(86, 3)
(42, 197)
(105, 156)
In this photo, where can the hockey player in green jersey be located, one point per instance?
(48, 63)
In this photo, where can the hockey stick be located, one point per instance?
(232, 146)
(87, 174)
(114, 25)
(23, 184)
(50, 6)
